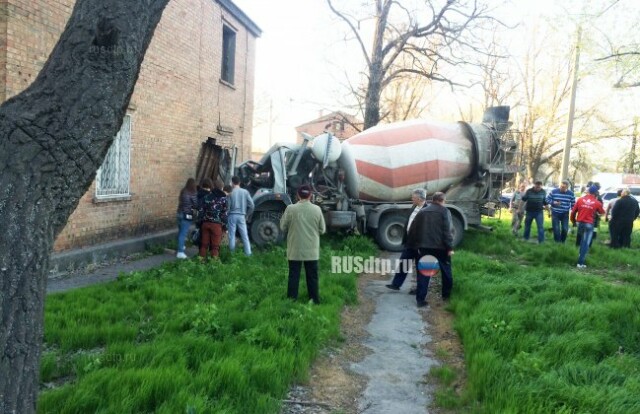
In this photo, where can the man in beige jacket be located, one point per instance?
(304, 224)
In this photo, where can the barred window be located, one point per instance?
(112, 179)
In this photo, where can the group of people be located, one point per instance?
(214, 209)
(428, 232)
(529, 204)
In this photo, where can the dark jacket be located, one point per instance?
(431, 229)
(406, 222)
(187, 202)
(625, 210)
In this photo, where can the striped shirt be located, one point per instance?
(561, 202)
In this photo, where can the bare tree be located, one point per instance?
(542, 115)
(53, 138)
(429, 45)
(617, 42)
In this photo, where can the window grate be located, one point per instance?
(113, 177)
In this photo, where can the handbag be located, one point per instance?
(196, 236)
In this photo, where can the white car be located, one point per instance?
(612, 194)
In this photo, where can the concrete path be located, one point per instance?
(398, 362)
(110, 272)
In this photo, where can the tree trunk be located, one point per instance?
(376, 67)
(53, 138)
(372, 98)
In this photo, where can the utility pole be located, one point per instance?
(631, 168)
(572, 109)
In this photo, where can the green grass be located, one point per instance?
(202, 338)
(539, 335)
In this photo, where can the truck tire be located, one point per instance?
(457, 228)
(390, 232)
(265, 228)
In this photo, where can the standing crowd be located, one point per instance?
(584, 213)
(428, 236)
(216, 210)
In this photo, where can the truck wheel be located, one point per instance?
(457, 229)
(265, 229)
(390, 232)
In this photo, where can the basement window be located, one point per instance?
(113, 177)
(228, 54)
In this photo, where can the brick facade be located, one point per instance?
(340, 124)
(178, 102)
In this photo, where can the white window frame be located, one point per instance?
(119, 156)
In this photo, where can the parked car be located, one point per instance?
(611, 194)
(505, 197)
(607, 196)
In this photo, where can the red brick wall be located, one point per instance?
(3, 48)
(177, 103)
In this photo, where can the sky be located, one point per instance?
(293, 59)
(302, 59)
(301, 62)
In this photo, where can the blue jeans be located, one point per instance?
(183, 230)
(586, 231)
(538, 216)
(560, 224)
(238, 221)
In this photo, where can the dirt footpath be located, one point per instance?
(383, 365)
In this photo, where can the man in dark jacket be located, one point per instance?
(431, 235)
(418, 197)
(623, 213)
(536, 199)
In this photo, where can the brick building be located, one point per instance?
(340, 124)
(196, 81)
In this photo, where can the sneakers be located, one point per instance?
(392, 287)
(181, 255)
(581, 266)
(422, 304)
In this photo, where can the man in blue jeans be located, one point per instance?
(431, 233)
(240, 206)
(561, 201)
(536, 199)
(584, 212)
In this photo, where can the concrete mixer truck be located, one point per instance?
(365, 182)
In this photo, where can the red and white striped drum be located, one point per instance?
(386, 162)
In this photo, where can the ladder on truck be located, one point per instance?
(506, 161)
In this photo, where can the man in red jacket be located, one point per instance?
(584, 212)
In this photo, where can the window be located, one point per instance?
(112, 179)
(228, 54)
